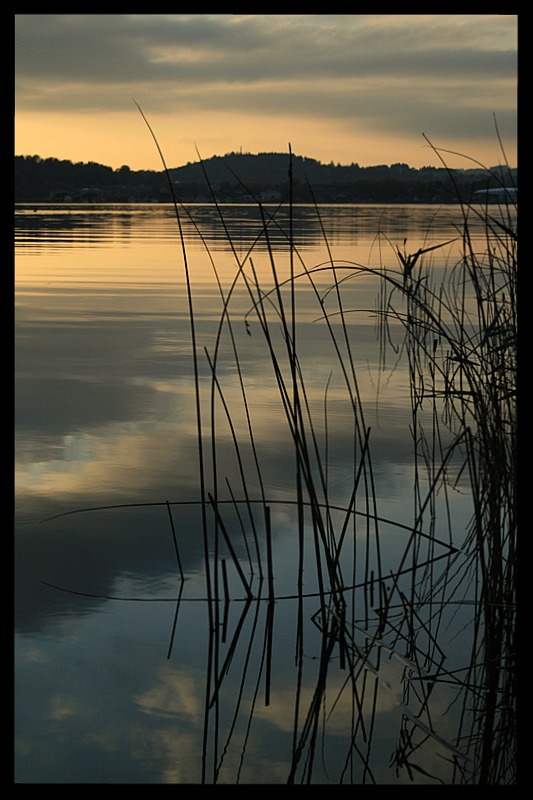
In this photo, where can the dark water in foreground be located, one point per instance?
(125, 673)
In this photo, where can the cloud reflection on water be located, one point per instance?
(106, 415)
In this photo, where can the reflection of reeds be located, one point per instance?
(458, 340)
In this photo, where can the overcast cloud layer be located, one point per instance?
(408, 73)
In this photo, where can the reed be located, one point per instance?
(458, 339)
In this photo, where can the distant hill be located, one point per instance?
(264, 168)
(271, 169)
(239, 177)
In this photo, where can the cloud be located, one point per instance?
(178, 54)
(329, 82)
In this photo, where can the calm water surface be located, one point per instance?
(124, 673)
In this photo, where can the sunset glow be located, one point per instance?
(364, 89)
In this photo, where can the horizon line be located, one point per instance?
(273, 153)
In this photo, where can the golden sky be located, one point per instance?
(347, 88)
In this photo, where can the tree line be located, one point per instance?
(238, 177)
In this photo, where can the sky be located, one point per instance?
(344, 88)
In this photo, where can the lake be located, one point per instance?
(231, 566)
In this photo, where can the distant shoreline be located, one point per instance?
(262, 177)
